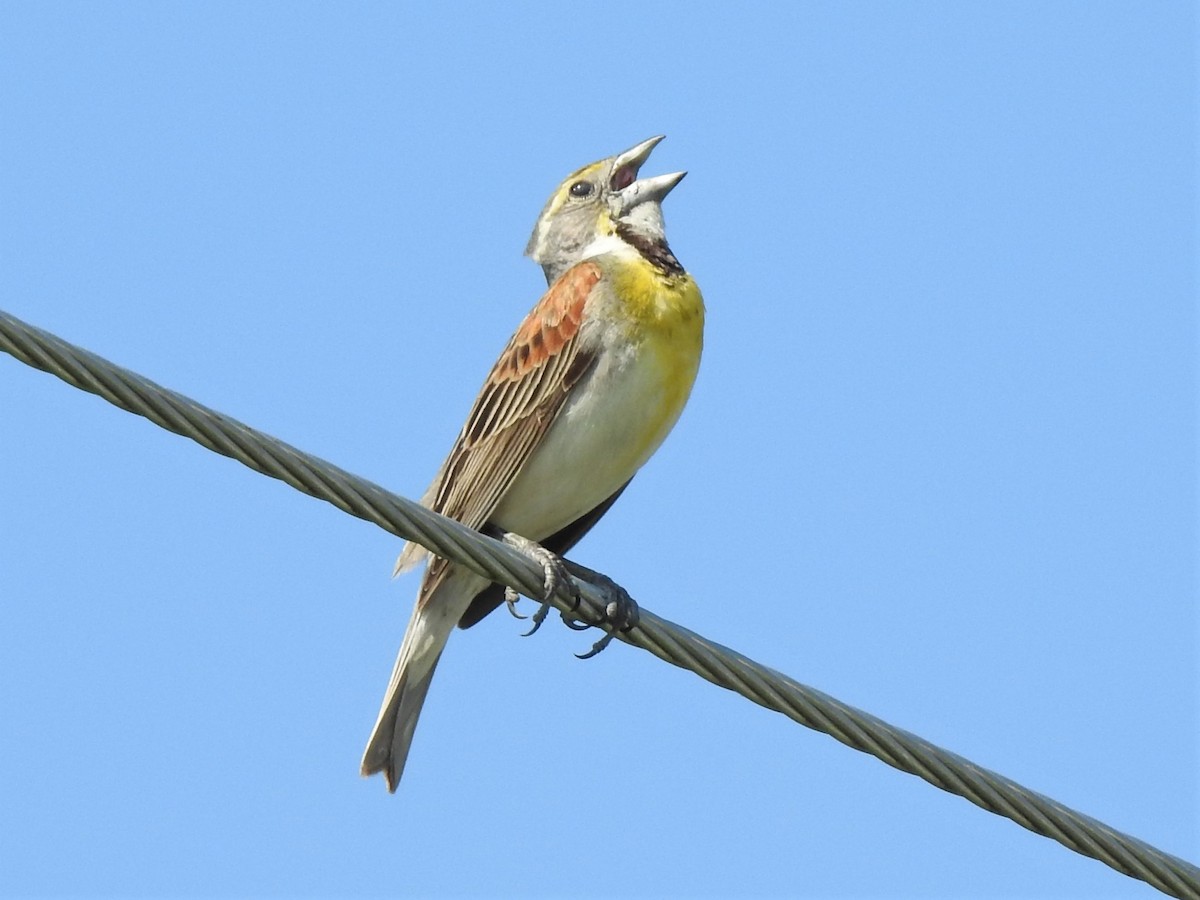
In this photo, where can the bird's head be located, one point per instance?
(599, 208)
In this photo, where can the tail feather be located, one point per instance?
(387, 751)
(432, 621)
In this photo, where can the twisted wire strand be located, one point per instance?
(666, 640)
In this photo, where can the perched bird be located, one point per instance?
(584, 393)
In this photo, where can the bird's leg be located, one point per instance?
(621, 611)
(556, 574)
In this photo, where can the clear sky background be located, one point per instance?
(940, 461)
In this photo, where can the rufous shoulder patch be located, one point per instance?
(550, 325)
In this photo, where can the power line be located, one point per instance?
(666, 640)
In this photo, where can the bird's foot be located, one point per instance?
(621, 611)
(556, 574)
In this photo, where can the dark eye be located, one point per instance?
(581, 189)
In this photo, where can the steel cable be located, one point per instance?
(666, 640)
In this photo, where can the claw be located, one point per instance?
(623, 614)
(538, 618)
(598, 646)
(569, 619)
(511, 598)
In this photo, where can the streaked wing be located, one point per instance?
(518, 403)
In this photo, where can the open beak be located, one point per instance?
(626, 165)
(633, 191)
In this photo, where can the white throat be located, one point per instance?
(607, 243)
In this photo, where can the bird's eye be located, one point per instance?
(581, 189)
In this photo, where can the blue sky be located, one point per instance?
(940, 461)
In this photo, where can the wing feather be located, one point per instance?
(519, 401)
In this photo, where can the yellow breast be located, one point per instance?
(665, 314)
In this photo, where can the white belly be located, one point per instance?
(602, 436)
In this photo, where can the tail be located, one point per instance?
(428, 630)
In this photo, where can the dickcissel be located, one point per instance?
(584, 393)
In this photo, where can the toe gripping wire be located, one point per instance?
(589, 597)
